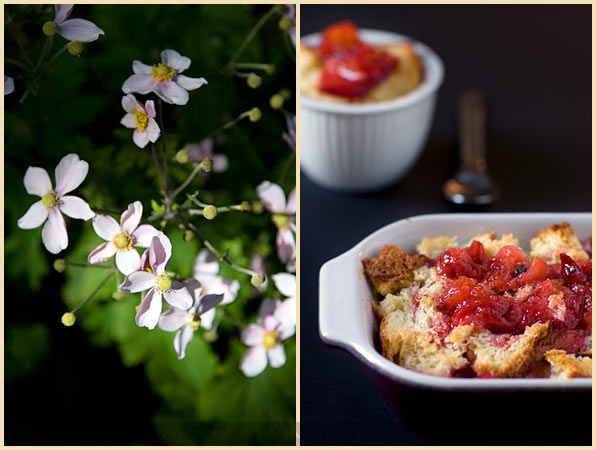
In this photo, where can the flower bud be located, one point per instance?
(270, 69)
(59, 265)
(253, 81)
(181, 156)
(207, 164)
(285, 93)
(284, 23)
(188, 236)
(254, 115)
(75, 48)
(257, 280)
(210, 335)
(68, 319)
(210, 212)
(245, 206)
(118, 295)
(276, 101)
(49, 28)
(257, 207)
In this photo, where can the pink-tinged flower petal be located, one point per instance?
(138, 281)
(62, 12)
(37, 181)
(8, 85)
(150, 108)
(152, 130)
(252, 335)
(70, 173)
(291, 206)
(128, 261)
(190, 84)
(285, 313)
(285, 283)
(79, 30)
(207, 319)
(139, 83)
(270, 323)
(196, 291)
(267, 309)
(208, 302)
(286, 245)
(171, 93)
(106, 227)
(254, 361)
(130, 104)
(160, 252)
(276, 356)
(76, 208)
(102, 253)
(140, 138)
(272, 196)
(175, 60)
(149, 310)
(129, 121)
(54, 235)
(205, 264)
(131, 218)
(143, 235)
(178, 296)
(34, 217)
(181, 340)
(173, 319)
(139, 68)
(220, 163)
(291, 265)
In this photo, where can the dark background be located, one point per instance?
(534, 64)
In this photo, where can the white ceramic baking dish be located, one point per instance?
(346, 319)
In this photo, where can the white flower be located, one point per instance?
(186, 322)
(141, 119)
(286, 285)
(205, 271)
(122, 238)
(70, 173)
(284, 217)
(75, 29)
(157, 282)
(265, 338)
(163, 79)
(8, 85)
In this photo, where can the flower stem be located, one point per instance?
(57, 54)
(286, 167)
(157, 168)
(227, 125)
(249, 37)
(88, 299)
(17, 63)
(256, 66)
(86, 266)
(219, 255)
(186, 182)
(164, 149)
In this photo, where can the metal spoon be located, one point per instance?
(471, 185)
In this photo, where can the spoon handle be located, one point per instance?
(472, 122)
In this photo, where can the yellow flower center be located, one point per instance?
(164, 283)
(281, 221)
(270, 339)
(50, 200)
(122, 241)
(195, 322)
(162, 72)
(141, 119)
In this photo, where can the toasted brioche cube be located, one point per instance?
(564, 365)
(434, 247)
(557, 239)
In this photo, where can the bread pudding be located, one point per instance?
(487, 308)
(344, 69)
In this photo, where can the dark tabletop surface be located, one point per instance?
(534, 64)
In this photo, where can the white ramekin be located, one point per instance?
(366, 147)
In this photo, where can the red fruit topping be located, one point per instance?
(337, 38)
(351, 67)
(571, 272)
(462, 262)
